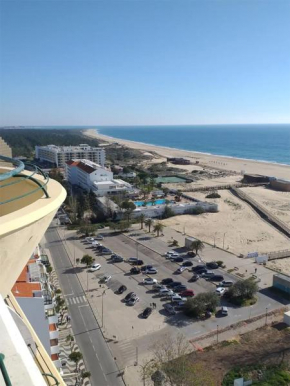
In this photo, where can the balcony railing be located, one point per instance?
(14, 176)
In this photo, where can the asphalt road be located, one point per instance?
(97, 356)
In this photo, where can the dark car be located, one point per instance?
(146, 267)
(194, 278)
(137, 262)
(116, 258)
(180, 288)
(191, 254)
(129, 296)
(198, 267)
(168, 280)
(212, 265)
(216, 278)
(174, 284)
(187, 264)
(177, 259)
(135, 270)
(146, 312)
(200, 271)
(122, 289)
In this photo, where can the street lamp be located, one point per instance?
(104, 292)
(266, 316)
(87, 281)
(217, 333)
(224, 241)
(214, 239)
(137, 250)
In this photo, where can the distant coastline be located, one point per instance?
(226, 163)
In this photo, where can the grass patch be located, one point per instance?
(243, 302)
(260, 375)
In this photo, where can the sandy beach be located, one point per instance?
(236, 226)
(224, 163)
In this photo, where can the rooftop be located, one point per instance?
(81, 147)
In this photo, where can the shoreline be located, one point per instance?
(226, 163)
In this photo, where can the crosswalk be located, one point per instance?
(127, 353)
(76, 300)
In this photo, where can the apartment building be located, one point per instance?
(92, 176)
(59, 155)
(35, 296)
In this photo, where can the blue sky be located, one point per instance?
(144, 62)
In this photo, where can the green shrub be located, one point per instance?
(213, 195)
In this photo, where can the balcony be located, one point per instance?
(28, 203)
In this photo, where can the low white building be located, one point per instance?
(91, 176)
(178, 208)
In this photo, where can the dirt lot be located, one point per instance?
(236, 226)
(263, 346)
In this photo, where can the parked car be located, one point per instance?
(220, 291)
(146, 266)
(216, 278)
(194, 278)
(99, 237)
(150, 271)
(137, 262)
(177, 299)
(174, 284)
(105, 279)
(135, 270)
(171, 254)
(106, 251)
(180, 288)
(224, 311)
(129, 296)
(187, 263)
(170, 309)
(212, 265)
(168, 280)
(177, 259)
(179, 306)
(208, 314)
(181, 269)
(95, 267)
(191, 254)
(132, 259)
(198, 267)
(133, 301)
(187, 293)
(207, 274)
(90, 239)
(165, 291)
(116, 258)
(147, 312)
(158, 286)
(95, 243)
(200, 271)
(149, 280)
(227, 283)
(121, 289)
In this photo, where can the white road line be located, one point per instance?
(68, 295)
(84, 305)
(85, 299)
(77, 300)
(73, 300)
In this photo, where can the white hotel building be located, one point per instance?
(91, 176)
(59, 155)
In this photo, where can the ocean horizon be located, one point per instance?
(265, 143)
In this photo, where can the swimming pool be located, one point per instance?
(150, 203)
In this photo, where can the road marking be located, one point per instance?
(77, 300)
(84, 305)
(68, 295)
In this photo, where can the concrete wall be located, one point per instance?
(282, 283)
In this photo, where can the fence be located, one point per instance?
(269, 216)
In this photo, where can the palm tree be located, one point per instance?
(158, 228)
(141, 219)
(197, 246)
(149, 222)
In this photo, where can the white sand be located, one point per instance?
(225, 163)
(244, 230)
(276, 202)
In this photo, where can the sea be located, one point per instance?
(268, 143)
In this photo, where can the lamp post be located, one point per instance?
(266, 316)
(137, 250)
(217, 333)
(87, 281)
(104, 292)
(224, 241)
(214, 239)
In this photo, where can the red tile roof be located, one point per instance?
(86, 168)
(25, 290)
(52, 327)
(72, 163)
(54, 357)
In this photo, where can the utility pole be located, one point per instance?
(137, 250)
(217, 333)
(104, 292)
(266, 316)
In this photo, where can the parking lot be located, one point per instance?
(125, 323)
